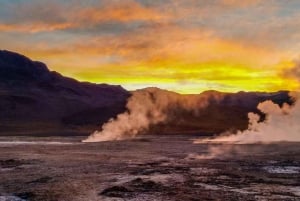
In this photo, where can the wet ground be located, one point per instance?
(149, 168)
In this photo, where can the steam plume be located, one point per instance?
(280, 124)
(148, 107)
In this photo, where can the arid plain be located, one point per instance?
(146, 168)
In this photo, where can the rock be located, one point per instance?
(115, 191)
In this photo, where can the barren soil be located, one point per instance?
(147, 168)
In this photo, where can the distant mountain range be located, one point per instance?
(36, 101)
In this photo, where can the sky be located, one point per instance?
(187, 46)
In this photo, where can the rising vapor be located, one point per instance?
(148, 107)
(280, 124)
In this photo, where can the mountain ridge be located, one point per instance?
(37, 101)
(30, 92)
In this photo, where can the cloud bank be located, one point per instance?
(161, 43)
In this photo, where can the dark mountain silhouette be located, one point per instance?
(36, 101)
(34, 98)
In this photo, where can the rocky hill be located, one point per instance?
(36, 100)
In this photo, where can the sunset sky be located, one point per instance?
(186, 46)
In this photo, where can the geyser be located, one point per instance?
(148, 107)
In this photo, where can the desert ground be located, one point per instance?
(146, 168)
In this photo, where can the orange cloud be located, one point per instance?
(122, 11)
(34, 27)
(73, 17)
(238, 3)
(188, 45)
(193, 56)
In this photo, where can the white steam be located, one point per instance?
(280, 124)
(148, 107)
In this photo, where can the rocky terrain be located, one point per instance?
(160, 167)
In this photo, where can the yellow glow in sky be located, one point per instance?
(185, 47)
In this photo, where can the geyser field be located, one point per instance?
(147, 168)
(130, 159)
(144, 100)
(124, 162)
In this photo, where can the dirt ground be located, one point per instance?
(148, 168)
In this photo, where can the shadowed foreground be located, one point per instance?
(148, 168)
